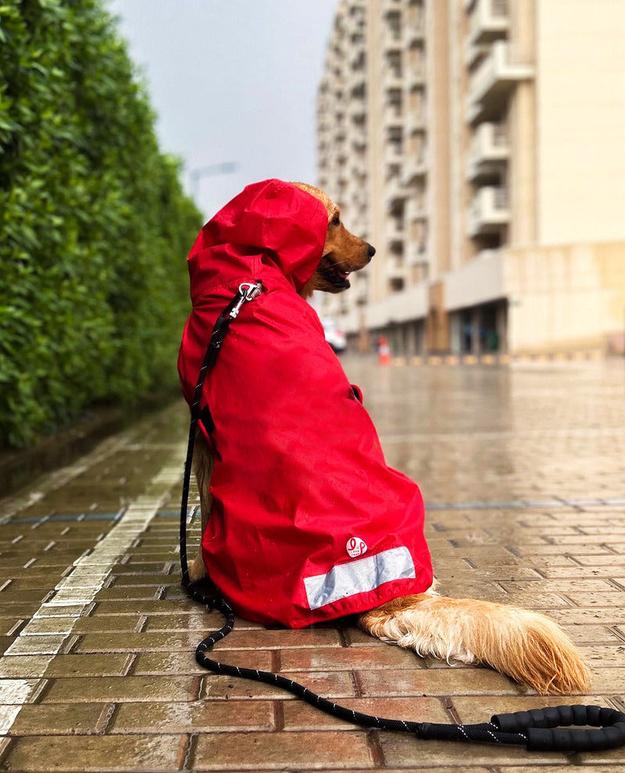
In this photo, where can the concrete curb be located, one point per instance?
(498, 359)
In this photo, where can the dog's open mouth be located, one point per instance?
(333, 273)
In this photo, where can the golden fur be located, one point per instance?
(526, 646)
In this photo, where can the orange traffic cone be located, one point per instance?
(384, 351)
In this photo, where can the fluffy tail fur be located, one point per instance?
(524, 645)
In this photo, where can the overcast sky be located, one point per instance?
(232, 80)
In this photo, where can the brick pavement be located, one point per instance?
(523, 468)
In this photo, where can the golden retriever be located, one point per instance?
(524, 645)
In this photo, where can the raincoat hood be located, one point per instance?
(307, 521)
(270, 223)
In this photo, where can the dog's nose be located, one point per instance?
(370, 251)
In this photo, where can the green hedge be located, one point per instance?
(94, 225)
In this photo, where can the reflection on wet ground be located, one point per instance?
(522, 468)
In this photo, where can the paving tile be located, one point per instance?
(301, 716)
(120, 689)
(359, 658)
(130, 592)
(616, 599)
(607, 681)
(333, 684)
(105, 753)
(194, 717)
(60, 624)
(22, 666)
(592, 634)
(152, 580)
(609, 559)
(448, 681)
(59, 719)
(200, 620)
(173, 641)
(558, 768)
(184, 662)
(301, 751)
(110, 664)
(404, 750)
(474, 708)
(591, 616)
(17, 691)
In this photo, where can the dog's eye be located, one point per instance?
(336, 220)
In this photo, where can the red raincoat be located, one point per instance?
(308, 523)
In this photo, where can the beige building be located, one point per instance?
(480, 146)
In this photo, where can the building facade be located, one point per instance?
(478, 145)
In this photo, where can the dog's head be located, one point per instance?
(342, 252)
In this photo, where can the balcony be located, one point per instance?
(392, 116)
(357, 110)
(489, 20)
(394, 230)
(356, 82)
(413, 168)
(392, 77)
(416, 76)
(395, 195)
(489, 211)
(358, 137)
(395, 267)
(493, 81)
(393, 43)
(416, 208)
(414, 30)
(489, 150)
(393, 153)
(474, 52)
(414, 121)
(416, 253)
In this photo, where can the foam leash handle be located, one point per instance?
(547, 730)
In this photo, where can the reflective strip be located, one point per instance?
(360, 576)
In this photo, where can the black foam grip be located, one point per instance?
(564, 740)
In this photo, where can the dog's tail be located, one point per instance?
(524, 645)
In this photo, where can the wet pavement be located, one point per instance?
(523, 471)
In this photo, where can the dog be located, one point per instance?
(524, 645)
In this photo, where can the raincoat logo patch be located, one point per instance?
(356, 547)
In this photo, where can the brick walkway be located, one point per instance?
(523, 469)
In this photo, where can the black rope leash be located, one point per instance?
(538, 729)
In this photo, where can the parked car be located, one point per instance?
(334, 335)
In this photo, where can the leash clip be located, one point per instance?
(248, 291)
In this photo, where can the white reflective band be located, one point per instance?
(359, 576)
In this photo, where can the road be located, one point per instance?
(523, 472)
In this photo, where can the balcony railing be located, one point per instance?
(393, 153)
(416, 208)
(494, 79)
(413, 168)
(489, 210)
(392, 116)
(489, 20)
(395, 267)
(415, 120)
(395, 195)
(394, 230)
(488, 149)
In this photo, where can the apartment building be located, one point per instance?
(478, 145)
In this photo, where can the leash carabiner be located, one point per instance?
(248, 291)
